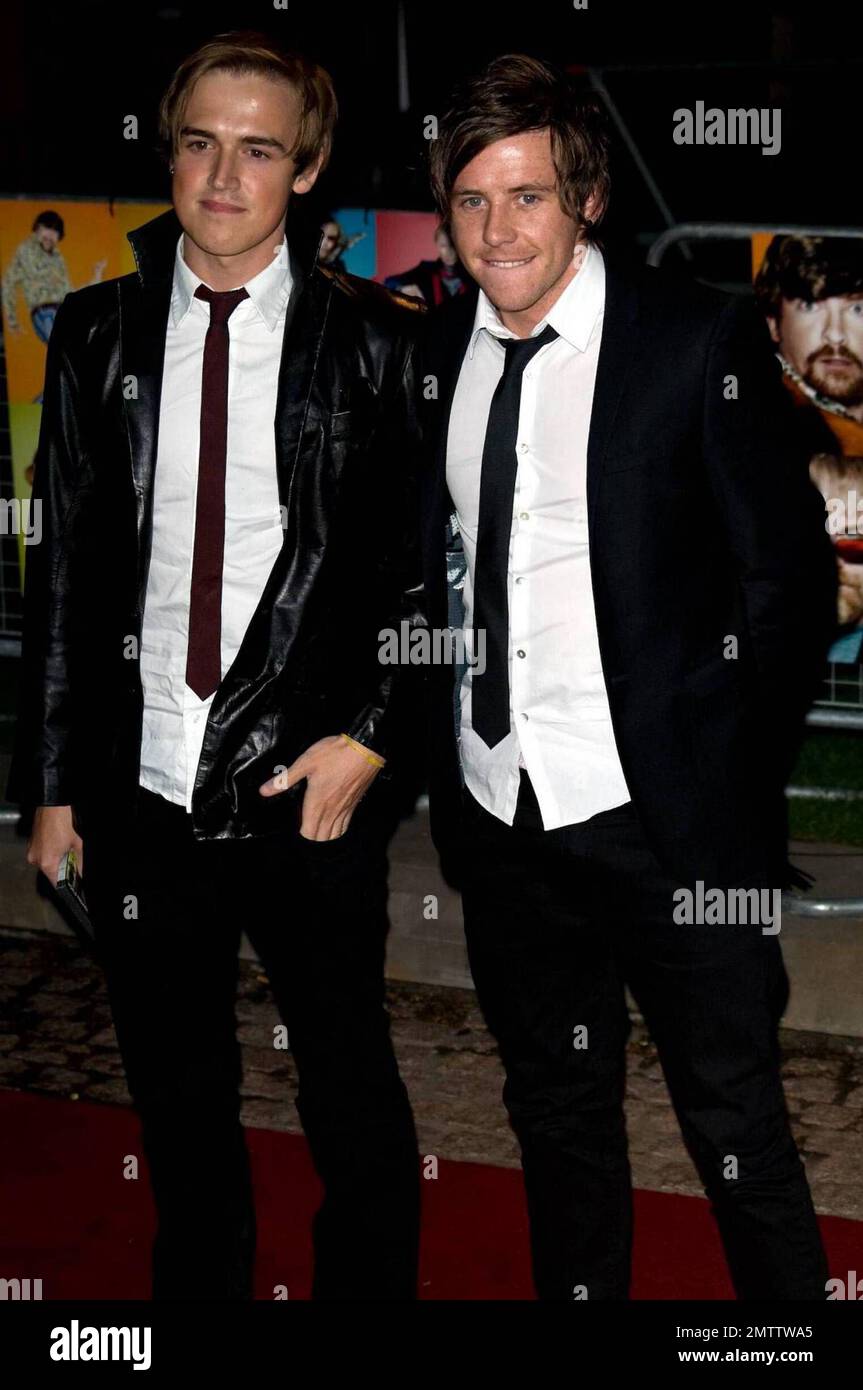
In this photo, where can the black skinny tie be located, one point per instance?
(490, 690)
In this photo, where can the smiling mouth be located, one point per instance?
(508, 265)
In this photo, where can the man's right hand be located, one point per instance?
(52, 834)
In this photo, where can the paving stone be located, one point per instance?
(263, 1087)
(35, 1052)
(59, 984)
(820, 1117)
(835, 1142)
(61, 1030)
(62, 1006)
(810, 1088)
(809, 1066)
(831, 1198)
(62, 1079)
(258, 1114)
(269, 1060)
(114, 1092)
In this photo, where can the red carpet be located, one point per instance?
(70, 1218)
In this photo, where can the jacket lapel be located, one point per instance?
(145, 303)
(616, 353)
(305, 321)
(143, 324)
(450, 331)
(456, 338)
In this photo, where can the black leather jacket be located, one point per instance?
(347, 453)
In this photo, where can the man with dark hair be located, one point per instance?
(39, 271)
(810, 290)
(648, 570)
(203, 709)
(332, 246)
(433, 281)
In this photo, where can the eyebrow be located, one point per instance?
(267, 140)
(519, 188)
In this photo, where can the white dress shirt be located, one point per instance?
(174, 716)
(560, 724)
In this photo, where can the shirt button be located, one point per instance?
(520, 652)
(525, 516)
(525, 716)
(524, 448)
(518, 578)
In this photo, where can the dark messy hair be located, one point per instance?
(513, 95)
(53, 221)
(808, 268)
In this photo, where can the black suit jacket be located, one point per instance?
(347, 441)
(703, 525)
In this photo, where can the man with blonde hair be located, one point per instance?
(204, 717)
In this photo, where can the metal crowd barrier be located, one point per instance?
(737, 231)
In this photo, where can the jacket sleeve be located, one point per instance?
(41, 771)
(399, 596)
(774, 518)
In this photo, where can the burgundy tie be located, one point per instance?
(204, 656)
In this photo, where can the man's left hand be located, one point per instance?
(337, 777)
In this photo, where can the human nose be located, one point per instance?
(223, 170)
(834, 328)
(498, 227)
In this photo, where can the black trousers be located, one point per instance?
(168, 912)
(556, 922)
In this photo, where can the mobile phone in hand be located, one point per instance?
(70, 891)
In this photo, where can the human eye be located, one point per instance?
(472, 200)
(530, 199)
(255, 151)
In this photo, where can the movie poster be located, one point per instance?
(810, 290)
(47, 248)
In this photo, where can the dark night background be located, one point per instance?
(71, 72)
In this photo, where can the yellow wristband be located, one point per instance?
(367, 754)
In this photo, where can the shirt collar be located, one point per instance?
(269, 291)
(573, 314)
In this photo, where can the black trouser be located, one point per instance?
(168, 912)
(556, 922)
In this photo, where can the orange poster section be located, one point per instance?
(94, 245)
